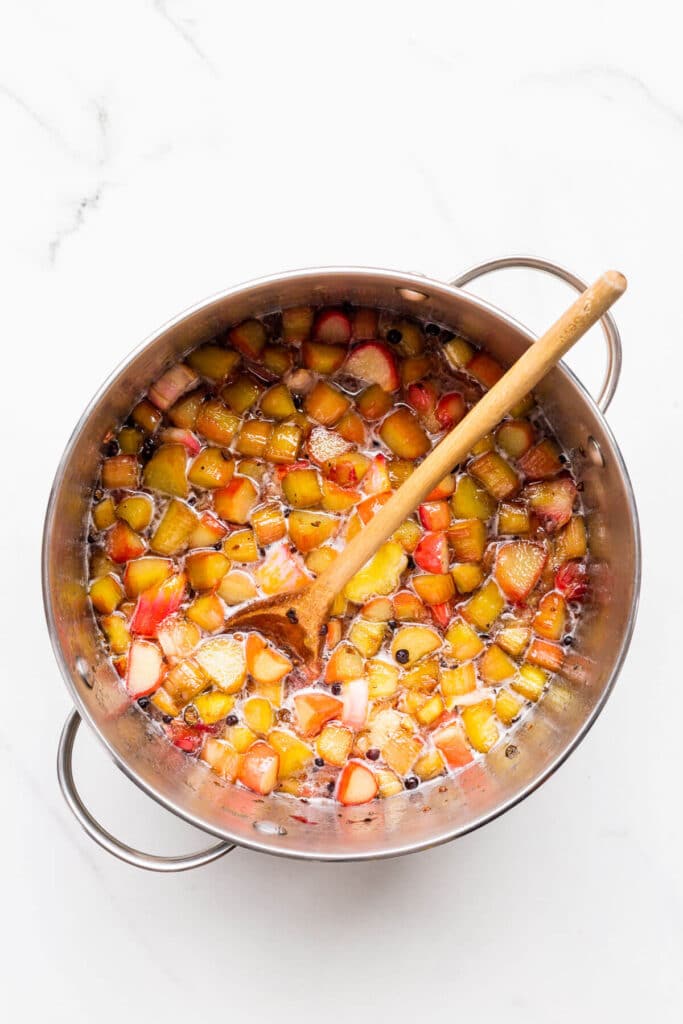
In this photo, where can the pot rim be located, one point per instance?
(416, 282)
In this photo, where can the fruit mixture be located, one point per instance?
(242, 473)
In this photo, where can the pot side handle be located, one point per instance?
(148, 861)
(609, 327)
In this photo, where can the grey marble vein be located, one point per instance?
(37, 120)
(568, 76)
(181, 28)
(92, 200)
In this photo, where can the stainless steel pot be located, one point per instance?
(401, 824)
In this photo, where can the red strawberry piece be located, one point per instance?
(442, 613)
(431, 553)
(450, 409)
(156, 604)
(373, 363)
(571, 580)
(518, 569)
(422, 397)
(145, 668)
(332, 326)
(357, 784)
(434, 515)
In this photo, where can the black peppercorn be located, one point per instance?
(167, 718)
(336, 689)
(143, 702)
(231, 720)
(394, 336)
(372, 754)
(568, 640)
(392, 623)
(319, 762)
(412, 782)
(147, 449)
(292, 616)
(447, 336)
(298, 402)
(411, 562)
(111, 448)
(323, 629)
(402, 656)
(432, 329)
(511, 750)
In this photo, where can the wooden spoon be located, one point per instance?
(298, 620)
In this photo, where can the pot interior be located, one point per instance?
(439, 810)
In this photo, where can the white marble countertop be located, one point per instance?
(156, 152)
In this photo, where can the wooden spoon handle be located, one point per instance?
(522, 376)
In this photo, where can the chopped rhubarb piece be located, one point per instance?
(264, 663)
(280, 571)
(468, 537)
(365, 324)
(258, 768)
(374, 363)
(313, 709)
(321, 358)
(550, 617)
(296, 323)
(145, 668)
(332, 327)
(189, 738)
(176, 435)
(323, 445)
(497, 475)
(552, 501)
(376, 480)
(401, 432)
(123, 543)
(485, 369)
(431, 554)
(545, 654)
(519, 565)
(178, 637)
(249, 338)
(171, 385)
(571, 580)
(235, 501)
(156, 604)
(450, 740)
(515, 437)
(368, 508)
(355, 699)
(434, 588)
(357, 784)
(444, 489)
(541, 461)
